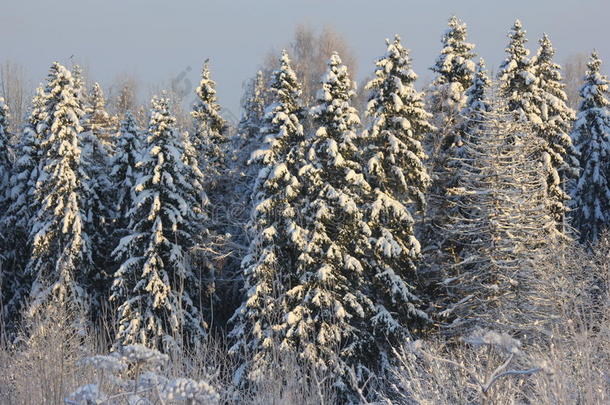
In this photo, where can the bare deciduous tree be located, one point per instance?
(123, 95)
(309, 51)
(13, 88)
(574, 70)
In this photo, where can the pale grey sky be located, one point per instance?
(157, 40)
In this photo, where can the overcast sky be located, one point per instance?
(157, 40)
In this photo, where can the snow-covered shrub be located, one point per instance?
(133, 375)
(485, 367)
(40, 366)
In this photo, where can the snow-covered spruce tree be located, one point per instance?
(558, 155)
(393, 166)
(6, 273)
(196, 177)
(249, 138)
(502, 221)
(209, 249)
(96, 146)
(346, 302)
(441, 250)
(399, 122)
(124, 174)
(242, 171)
(210, 141)
(443, 246)
(236, 200)
(80, 87)
(61, 258)
(20, 211)
(517, 78)
(454, 70)
(534, 93)
(155, 287)
(477, 104)
(209, 138)
(473, 119)
(5, 173)
(273, 227)
(254, 103)
(591, 135)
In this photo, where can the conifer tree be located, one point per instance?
(501, 220)
(534, 93)
(248, 131)
(20, 211)
(96, 145)
(441, 248)
(253, 104)
(394, 169)
(196, 189)
(474, 117)
(591, 135)
(209, 138)
(558, 155)
(327, 307)
(348, 299)
(155, 287)
(477, 104)
(399, 122)
(273, 226)
(455, 69)
(125, 173)
(80, 87)
(98, 131)
(61, 256)
(243, 171)
(209, 245)
(442, 202)
(517, 78)
(6, 273)
(5, 165)
(210, 142)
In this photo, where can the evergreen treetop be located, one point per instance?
(517, 77)
(399, 122)
(591, 135)
(209, 138)
(61, 256)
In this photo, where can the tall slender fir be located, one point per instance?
(61, 257)
(517, 78)
(559, 156)
(209, 138)
(591, 135)
(155, 287)
(273, 226)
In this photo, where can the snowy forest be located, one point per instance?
(392, 242)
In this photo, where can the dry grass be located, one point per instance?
(565, 361)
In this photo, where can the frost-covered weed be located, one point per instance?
(133, 375)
